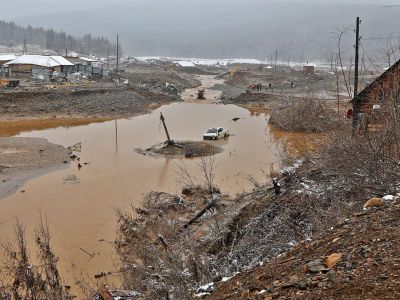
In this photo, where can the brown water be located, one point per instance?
(81, 214)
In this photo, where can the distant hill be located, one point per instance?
(12, 34)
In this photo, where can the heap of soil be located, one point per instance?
(182, 149)
(366, 248)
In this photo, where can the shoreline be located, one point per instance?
(22, 159)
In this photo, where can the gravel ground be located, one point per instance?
(83, 102)
(229, 92)
(24, 158)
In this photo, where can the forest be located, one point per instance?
(12, 34)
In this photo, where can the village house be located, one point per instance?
(86, 65)
(39, 65)
(381, 95)
(5, 58)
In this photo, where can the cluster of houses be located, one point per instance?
(44, 67)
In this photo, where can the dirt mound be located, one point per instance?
(366, 265)
(182, 149)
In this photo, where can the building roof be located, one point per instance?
(378, 81)
(7, 57)
(40, 60)
(88, 59)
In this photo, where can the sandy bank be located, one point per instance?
(24, 158)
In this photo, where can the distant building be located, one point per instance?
(87, 65)
(35, 63)
(5, 58)
(308, 69)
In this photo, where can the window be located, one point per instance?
(381, 96)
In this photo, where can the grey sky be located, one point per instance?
(211, 28)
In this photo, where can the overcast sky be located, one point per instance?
(211, 28)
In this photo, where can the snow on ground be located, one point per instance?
(190, 62)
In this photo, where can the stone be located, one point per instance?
(333, 260)
(373, 202)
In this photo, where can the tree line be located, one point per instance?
(12, 34)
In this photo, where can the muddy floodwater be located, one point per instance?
(80, 203)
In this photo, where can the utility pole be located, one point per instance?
(108, 58)
(276, 58)
(117, 54)
(24, 51)
(356, 102)
(66, 52)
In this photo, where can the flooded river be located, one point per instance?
(80, 203)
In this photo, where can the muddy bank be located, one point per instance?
(24, 158)
(138, 89)
(181, 149)
(93, 101)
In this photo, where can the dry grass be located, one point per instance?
(304, 115)
(20, 279)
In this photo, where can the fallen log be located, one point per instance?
(200, 213)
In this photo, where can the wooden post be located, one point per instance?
(356, 101)
(165, 128)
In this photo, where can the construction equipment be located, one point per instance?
(200, 95)
(169, 141)
(235, 70)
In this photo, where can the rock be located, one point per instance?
(333, 260)
(373, 202)
(331, 275)
(315, 266)
(389, 198)
(245, 295)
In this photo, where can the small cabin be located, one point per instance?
(377, 99)
(30, 64)
(5, 58)
(308, 69)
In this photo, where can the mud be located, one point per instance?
(138, 89)
(22, 159)
(181, 149)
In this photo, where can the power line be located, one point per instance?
(381, 38)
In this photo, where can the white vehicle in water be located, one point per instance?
(215, 133)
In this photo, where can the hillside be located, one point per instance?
(368, 245)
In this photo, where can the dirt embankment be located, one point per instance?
(69, 101)
(138, 92)
(357, 259)
(24, 158)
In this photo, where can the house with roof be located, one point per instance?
(34, 63)
(380, 96)
(5, 58)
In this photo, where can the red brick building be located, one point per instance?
(376, 100)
